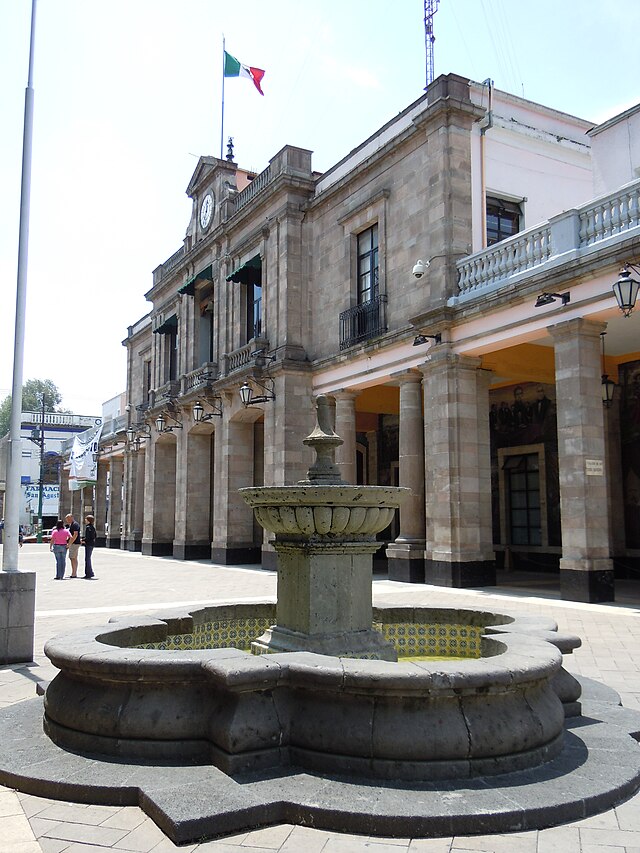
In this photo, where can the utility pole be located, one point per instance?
(39, 531)
(430, 8)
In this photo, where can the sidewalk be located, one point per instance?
(129, 583)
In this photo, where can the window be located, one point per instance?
(368, 265)
(254, 310)
(205, 339)
(146, 380)
(171, 354)
(503, 219)
(366, 319)
(522, 479)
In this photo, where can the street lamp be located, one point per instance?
(626, 289)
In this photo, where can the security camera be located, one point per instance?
(420, 268)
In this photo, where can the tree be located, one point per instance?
(32, 392)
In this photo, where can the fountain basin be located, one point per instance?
(333, 511)
(120, 693)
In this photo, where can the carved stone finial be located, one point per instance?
(324, 441)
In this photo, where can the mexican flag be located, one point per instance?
(233, 68)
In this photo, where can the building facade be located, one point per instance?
(45, 437)
(448, 285)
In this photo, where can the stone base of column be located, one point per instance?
(406, 570)
(101, 541)
(590, 585)
(131, 543)
(369, 644)
(157, 549)
(405, 562)
(460, 574)
(114, 542)
(17, 615)
(191, 550)
(234, 556)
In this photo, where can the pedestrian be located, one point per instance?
(74, 543)
(20, 535)
(58, 543)
(89, 541)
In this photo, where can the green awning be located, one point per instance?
(189, 287)
(248, 273)
(169, 325)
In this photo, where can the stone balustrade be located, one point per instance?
(571, 231)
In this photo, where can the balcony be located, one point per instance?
(242, 358)
(574, 233)
(199, 379)
(363, 322)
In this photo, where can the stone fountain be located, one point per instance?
(325, 537)
(322, 709)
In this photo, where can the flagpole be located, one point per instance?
(12, 494)
(222, 120)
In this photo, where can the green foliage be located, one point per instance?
(32, 392)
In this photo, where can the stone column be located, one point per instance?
(193, 494)
(459, 551)
(132, 512)
(287, 420)
(406, 554)
(101, 502)
(346, 429)
(114, 511)
(138, 503)
(233, 533)
(372, 457)
(159, 527)
(75, 503)
(615, 493)
(586, 570)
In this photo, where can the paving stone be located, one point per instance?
(430, 845)
(52, 845)
(9, 804)
(559, 839)
(16, 830)
(305, 839)
(271, 837)
(619, 837)
(525, 842)
(128, 817)
(99, 835)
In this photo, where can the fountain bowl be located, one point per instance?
(184, 687)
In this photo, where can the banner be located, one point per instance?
(50, 498)
(84, 459)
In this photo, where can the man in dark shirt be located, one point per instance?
(73, 545)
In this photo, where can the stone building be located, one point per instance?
(447, 284)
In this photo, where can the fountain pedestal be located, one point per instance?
(324, 601)
(325, 538)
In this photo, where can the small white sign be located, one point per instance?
(594, 467)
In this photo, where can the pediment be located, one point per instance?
(204, 172)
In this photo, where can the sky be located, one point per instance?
(128, 96)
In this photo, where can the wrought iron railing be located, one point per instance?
(363, 322)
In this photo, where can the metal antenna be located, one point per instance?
(430, 8)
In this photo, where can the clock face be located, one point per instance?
(206, 210)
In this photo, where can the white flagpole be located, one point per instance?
(222, 120)
(12, 495)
